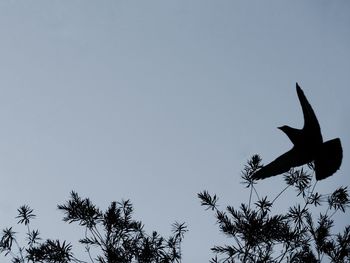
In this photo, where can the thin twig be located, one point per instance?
(280, 194)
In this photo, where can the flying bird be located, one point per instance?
(308, 146)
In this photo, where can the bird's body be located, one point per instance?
(308, 147)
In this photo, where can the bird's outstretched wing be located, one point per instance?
(281, 165)
(329, 159)
(311, 124)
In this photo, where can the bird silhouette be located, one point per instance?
(308, 146)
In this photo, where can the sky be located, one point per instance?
(155, 101)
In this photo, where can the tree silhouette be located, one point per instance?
(258, 235)
(112, 236)
(296, 236)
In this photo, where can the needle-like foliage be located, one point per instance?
(112, 236)
(297, 235)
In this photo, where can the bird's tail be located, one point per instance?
(329, 159)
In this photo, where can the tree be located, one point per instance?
(112, 236)
(296, 236)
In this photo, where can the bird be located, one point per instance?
(308, 146)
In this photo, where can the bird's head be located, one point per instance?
(293, 134)
(285, 129)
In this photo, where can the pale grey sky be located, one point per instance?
(156, 101)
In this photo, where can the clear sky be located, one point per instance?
(155, 101)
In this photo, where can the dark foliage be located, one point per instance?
(296, 236)
(112, 236)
